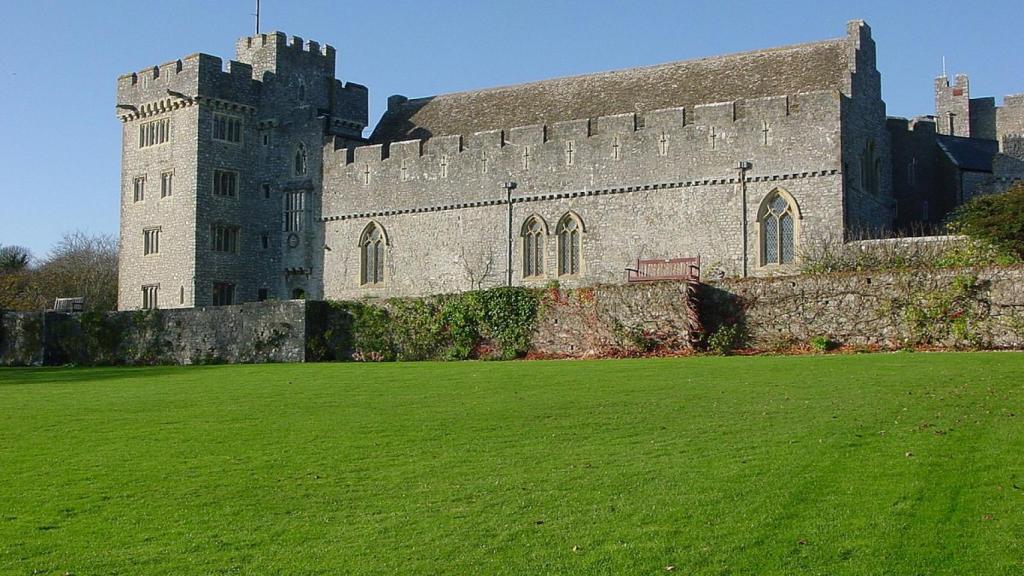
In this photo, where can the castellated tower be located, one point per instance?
(952, 106)
(222, 170)
(957, 114)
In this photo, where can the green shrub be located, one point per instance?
(997, 219)
(451, 327)
(950, 313)
(726, 339)
(823, 344)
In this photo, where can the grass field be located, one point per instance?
(870, 464)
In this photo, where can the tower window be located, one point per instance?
(166, 184)
(150, 296)
(224, 238)
(225, 183)
(154, 133)
(151, 241)
(139, 188)
(223, 293)
(227, 128)
(294, 210)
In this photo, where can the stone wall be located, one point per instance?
(659, 183)
(976, 308)
(618, 319)
(952, 308)
(445, 212)
(258, 332)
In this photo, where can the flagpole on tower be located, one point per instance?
(257, 17)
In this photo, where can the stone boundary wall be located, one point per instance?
(949, 308)
(612, 320)
(247, 333)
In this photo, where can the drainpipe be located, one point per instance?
(743, 167)
(509, 187)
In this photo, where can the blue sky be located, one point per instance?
(60, 149)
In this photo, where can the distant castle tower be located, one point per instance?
(221, 173)
(957, 114)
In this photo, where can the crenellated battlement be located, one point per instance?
(918, 124)
(276, 52)
(282, 40)
(706, 127)
(184, 82)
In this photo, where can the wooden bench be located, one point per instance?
(674, 269)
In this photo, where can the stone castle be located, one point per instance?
(254, 181)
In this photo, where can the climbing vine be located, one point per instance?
(949, 315)
(495, 323)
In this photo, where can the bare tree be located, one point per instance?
(480, 272)
(81, 265)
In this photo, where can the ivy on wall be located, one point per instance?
(495, 323)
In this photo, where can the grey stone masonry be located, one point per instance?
(952, 106)
(676, 182)
(253, 180)
(243, 145)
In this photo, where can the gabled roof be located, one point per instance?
(969, 154)
(774, 72)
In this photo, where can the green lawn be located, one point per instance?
(872, 464)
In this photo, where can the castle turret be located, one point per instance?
(953, 106)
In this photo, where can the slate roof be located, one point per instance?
(970, 154)
(774, 72)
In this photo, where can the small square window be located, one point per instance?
(262, 294)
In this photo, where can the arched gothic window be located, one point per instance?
(533, 247)
(300, 160)
(778, 230)
(569, 233)
(371, 255)
(870, 168)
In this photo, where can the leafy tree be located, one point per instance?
(14, 259)
(997, 219)
(18, 291)
(79, 265)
